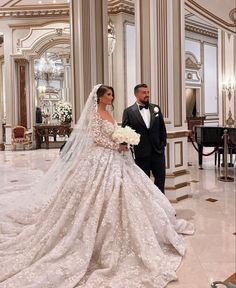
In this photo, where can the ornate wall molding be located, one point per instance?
(232, 15)
(177, 134)
(191, 61)
(21, 61)
(34, 11)
(199, 30)
(226, 24)
(121, 6)
(40, 39)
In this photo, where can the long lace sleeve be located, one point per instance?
(102, 134)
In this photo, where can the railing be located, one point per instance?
(218, 284)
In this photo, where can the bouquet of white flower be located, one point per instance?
(126, 135)
(63, 112)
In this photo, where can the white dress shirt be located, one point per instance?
(145, 113)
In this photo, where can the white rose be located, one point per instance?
(156, 111)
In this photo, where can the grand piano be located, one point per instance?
(212, 136)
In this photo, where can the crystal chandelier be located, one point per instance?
(46, 69)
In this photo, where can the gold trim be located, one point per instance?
(180, 198)
(178, 134)
(181, 172)
(116, 7)
(191, 61)
(181, 154)
(113, 12)
(178, 186)
(177, 173)
(21, 61)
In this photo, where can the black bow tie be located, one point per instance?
(146, 106)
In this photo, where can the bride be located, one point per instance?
(104, 225)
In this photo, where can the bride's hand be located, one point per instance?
(123, 148)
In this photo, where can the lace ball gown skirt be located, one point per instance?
(108, 226)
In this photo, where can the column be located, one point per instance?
(227, 78)
(9, 80)
(67, 76)
(2, 146)
(160, 61)
(21, 93)
(118, 65)
(89, 48)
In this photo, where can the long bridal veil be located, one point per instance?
(43, 192)
(79, 140)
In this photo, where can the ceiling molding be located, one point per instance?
(196, 28)
(121, 6)
(38, 24)
(33, 11)
(230, 25)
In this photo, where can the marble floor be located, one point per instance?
(210, 252)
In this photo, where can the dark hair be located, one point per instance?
(139, 86)
(102, 90)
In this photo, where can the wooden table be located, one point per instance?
(44, 131)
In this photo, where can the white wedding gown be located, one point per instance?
(108, 226)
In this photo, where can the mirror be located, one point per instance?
(52, 73)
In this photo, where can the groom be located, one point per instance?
(147, 120)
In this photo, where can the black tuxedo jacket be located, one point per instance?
(152, 139)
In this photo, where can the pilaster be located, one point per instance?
(161, 65)
(90, 48)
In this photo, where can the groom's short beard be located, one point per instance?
(145, 100)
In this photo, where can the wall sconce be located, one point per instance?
(111, 37)
(229, 88)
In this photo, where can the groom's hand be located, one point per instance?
(123, 148)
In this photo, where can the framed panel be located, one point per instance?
(130, 62)
(178, 150)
